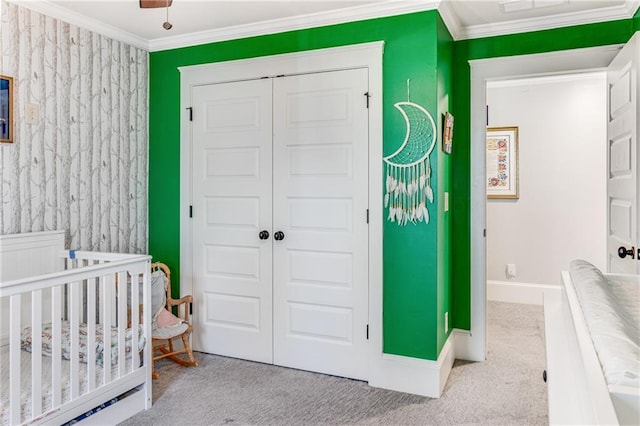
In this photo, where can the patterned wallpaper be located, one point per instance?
(83, 166)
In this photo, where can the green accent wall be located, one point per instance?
(445, 104)
(416, 287)
(581, 36)
(426, 267)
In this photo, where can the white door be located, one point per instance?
(232, 197)
(286, 155)
(623, 158)
(320, 205)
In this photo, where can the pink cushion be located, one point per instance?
(166, 319)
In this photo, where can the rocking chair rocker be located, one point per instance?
(166, 326)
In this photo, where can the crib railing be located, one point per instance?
(93, 317)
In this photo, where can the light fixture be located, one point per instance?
(167, 25)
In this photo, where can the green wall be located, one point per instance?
(445, 104)
(509, 45)
(417, 47)
(426, 267)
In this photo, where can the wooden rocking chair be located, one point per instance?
(166, 326)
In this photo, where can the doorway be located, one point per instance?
(482, 71)
(559, 213)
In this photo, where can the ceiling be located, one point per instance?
(201, 21)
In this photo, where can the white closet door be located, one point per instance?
(320, 201)
(232, 175)
(623, 239)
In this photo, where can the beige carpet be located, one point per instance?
(507, 389)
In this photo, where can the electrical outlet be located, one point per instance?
(511, 270)
(446, 322)
(32, 114)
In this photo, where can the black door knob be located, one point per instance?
(624, 252)
(263, 235)
(278, 236)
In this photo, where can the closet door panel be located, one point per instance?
(320, 203)
(232, 203)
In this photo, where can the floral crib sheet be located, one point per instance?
(47, 341)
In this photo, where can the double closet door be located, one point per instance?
(280, 234)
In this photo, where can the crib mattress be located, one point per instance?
(47, 398)
(619, 344)
(611, 308)
(628, 296)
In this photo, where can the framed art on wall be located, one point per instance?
(6, 109)
(447, 133)
(502, 162)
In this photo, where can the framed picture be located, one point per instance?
(6, 109)
(447, 133)
(502, 162)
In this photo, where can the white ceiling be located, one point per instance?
(200, 21)
(189, 16)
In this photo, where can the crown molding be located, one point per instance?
(63, 14)
(357, 13)
(625, 11)
(451, 20)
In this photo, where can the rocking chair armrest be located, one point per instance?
(177, 302)
(184, 306)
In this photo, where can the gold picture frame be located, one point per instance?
(502, 177)
(6, 109)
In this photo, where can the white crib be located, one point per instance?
(72, 330)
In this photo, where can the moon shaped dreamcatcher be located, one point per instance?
(408, 183)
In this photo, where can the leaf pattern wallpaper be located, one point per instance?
(83, 166)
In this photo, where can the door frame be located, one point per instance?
(365, 55)
(472, 344)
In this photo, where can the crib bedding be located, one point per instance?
(628, 297)
(83, 349)
(25, 379)
(610, 310)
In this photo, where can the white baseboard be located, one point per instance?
(515, 292)
(467, 347)
(413, 375)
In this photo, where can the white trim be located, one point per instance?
(464, 345)
(549, 79)
(308, 61)
(451, 20)
(515, 292)
(332, 17)
(413, 375)
(321, 19)
(82, 21)
(612, 13)
(366, 55)
(483, 71)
